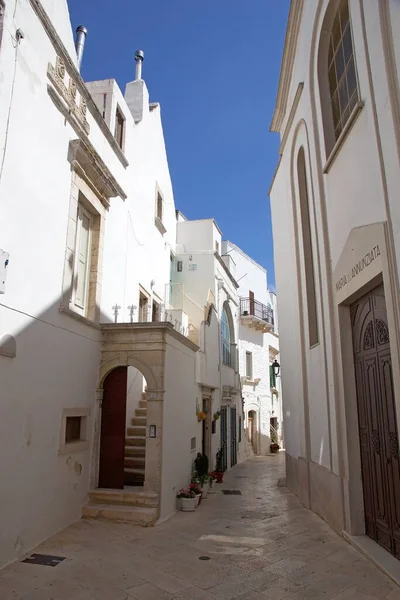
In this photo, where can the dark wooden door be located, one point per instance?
(113, 424)
(224, 436)
(233, 437)
(379, 442)
(251, 302)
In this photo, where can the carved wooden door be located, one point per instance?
(113, 424)
(379, 442)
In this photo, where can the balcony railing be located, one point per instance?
(252, 308)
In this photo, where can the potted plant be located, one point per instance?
(219, 466)
(274, 447)
(212, 477)
(217, 415)
(204, 485)
(195, 487)
(188, 500)
(201, 415)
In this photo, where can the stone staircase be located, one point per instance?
(135, 445)
(125, 506)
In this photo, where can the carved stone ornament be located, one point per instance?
(57, 76)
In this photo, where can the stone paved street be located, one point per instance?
(260, 545)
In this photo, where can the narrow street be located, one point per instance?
(260, 544)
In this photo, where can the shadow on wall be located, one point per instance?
(49, 366)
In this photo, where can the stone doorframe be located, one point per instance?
(140, 345)
(207, 400)
(363, 265)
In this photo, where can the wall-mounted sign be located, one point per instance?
(193, 267)
(362, 264)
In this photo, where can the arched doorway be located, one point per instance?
(252, 429)
(123, 429)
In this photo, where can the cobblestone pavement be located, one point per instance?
(261, 544)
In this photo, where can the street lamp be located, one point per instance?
(276, 368)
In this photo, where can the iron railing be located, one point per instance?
(250, 307)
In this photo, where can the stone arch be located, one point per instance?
(128, 360)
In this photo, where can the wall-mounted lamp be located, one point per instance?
(152, 431)
(276, 367)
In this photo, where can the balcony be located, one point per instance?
(256, 315)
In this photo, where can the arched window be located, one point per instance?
(227, 337)
(307, 249)
(337, 71)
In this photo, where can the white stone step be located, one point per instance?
(139, 421)
(135, 441)
(136, 431)
(127, 497)
(137, 515)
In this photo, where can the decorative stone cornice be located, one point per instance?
(83, 156)
(289, 52)
(77, 80)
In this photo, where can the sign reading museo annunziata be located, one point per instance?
(362, 264)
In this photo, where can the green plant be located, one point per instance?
(201, 465)
(219, 461)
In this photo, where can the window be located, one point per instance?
(341, 69)
(143, 308)
(227, 337)
(82, 257)
(179, 266)
(272, 377)
(119, 128)
(73, 429)
(249, 365)
(159, 213)
(307, 249)
(159, 206)
(216, 247)
(156, 311)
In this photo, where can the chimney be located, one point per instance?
(139, 57)
(136, 92)
(81, 32)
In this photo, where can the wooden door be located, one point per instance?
(251, 302)
(113, 423)
(233, 437)
(251, 429)
(224, 436)
(379, 442)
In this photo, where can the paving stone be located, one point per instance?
(279, 551)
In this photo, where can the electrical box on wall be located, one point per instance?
(3, 270)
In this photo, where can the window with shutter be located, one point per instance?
(249, 365)
(82, 261)
(272, 377)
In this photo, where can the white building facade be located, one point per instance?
(104, 363)
(258, 348)
(336, 219)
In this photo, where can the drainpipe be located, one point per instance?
(80, 39)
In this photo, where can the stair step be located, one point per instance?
(135, 441)
(144, 396)
(124, 497)
(142, 403)
(136, 431)
(135, 463)
(139, 421)
(141, 412)
(137, 515)
(133, 451)
(133, 476)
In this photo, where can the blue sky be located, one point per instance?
(214, 66)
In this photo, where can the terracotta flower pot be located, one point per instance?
(220, 476)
